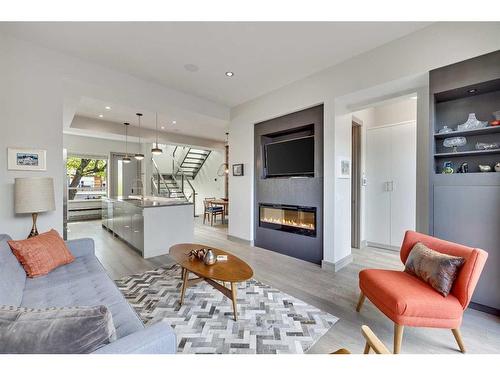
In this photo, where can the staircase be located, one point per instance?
(192, 162)
(172, 187)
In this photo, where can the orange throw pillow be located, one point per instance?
(41, 254)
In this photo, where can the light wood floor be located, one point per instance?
(335, 293)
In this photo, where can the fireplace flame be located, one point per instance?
(290, 223)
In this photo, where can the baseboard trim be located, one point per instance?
(382, 246)
(364, 243)
(240, 240)
(336, 266)
(484, 308)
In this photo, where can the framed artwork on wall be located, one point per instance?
(21, 159)
(237, 169)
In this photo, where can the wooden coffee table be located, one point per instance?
(232, 271)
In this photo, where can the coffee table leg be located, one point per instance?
(234, 293)
(185, 274)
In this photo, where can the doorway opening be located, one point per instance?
(384, 169)
(87, 181)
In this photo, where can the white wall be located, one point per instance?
(396, 63)
(31, 108)
(77, 144)
(395, 112)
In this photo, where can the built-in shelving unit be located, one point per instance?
(465, 133)
(467, 153)
(465, 207)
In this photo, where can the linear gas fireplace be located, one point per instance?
(293, 219)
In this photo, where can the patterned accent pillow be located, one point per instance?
(436, 269)
(55, 330)
(41, 254)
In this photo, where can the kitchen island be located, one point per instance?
(149, 224)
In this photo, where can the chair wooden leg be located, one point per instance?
(367, 349)
(360, 301)
(458, 337)
(398, 337)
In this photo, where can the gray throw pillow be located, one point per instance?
(436, 269)
(55, 330)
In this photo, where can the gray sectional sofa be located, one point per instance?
(83, 282)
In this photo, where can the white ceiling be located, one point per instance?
(187, 123)
(263, 55)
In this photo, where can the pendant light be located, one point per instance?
(139, 156)
(156, 150)
(126, 158)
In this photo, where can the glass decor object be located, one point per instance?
(448, 167)
(455, 142)
(445, 129)
(487, 146)
(484, 168)
(472, 123)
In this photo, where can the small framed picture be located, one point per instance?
(345, 168)
(20, 159)
(237, 169)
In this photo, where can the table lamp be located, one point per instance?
(32, 196)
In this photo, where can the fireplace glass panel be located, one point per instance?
(294, 219)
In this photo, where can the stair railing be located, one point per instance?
(159, 180)
(184, 184)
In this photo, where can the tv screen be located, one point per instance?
(294, 157)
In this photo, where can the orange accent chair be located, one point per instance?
(408, 301)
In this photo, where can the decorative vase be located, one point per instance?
(472, 123)
(497, 167)
(209, 258)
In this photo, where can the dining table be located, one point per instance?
(221, 202)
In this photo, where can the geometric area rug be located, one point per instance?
(269, 321)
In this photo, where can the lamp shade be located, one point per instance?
(34, 194)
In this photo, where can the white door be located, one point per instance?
(391, 183)
(378, 173)
(403, 186)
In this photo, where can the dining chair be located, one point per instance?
(211, 211)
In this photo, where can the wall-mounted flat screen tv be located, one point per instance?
(292, 157)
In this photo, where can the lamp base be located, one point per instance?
(34, 229)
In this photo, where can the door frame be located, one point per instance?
(356, 141)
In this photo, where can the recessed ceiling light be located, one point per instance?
(229, 74)
(472, 91)
(174, 122)
(191, 68)
(413, 97)
(101, 116)
(107, 107)
(163, 127)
